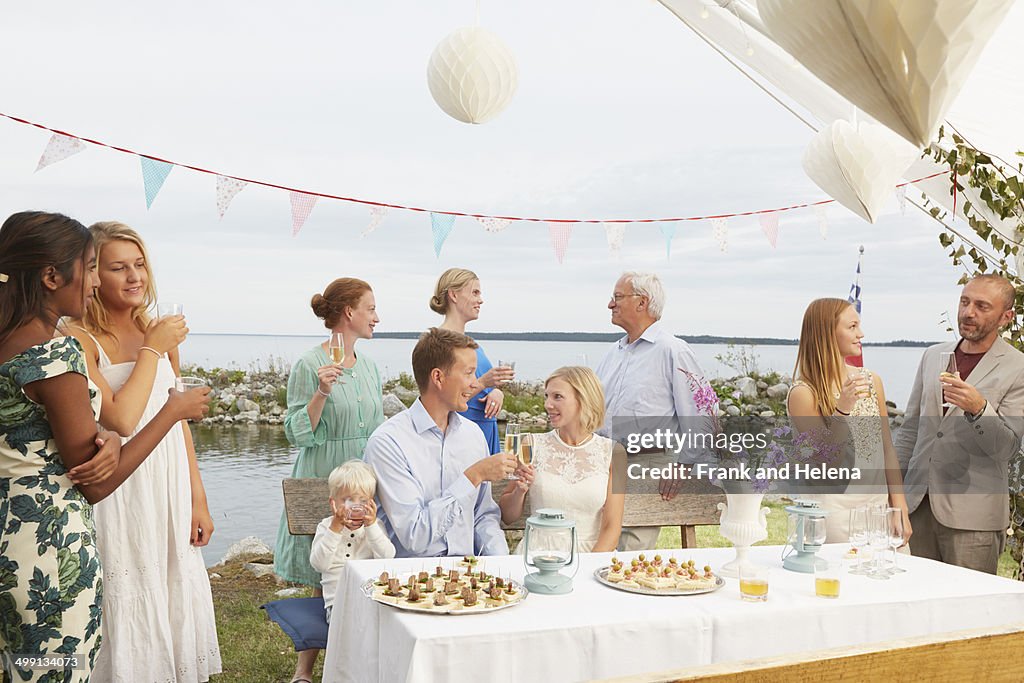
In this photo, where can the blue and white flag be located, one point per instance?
(854, 298)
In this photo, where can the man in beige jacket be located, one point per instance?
(955, 458)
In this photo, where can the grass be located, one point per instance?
(254, 650)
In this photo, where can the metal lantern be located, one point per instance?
(472, 75)
(549, 546)
(806, 535)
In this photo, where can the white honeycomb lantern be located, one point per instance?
(901, 61)
(472, 75)
(858, 166)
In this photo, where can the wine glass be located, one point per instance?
(895, 526)
(513, 438)
(336, 350)
(947, 363)
(859, 537)
(525, 449)
(878, 540)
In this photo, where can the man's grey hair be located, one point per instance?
(648, 285)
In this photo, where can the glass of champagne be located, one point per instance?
(895, 527)
(513, 440)
(859, 537)
(526, 449)
(947, 363)
(336, 350)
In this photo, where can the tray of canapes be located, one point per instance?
(464, 590)
(657, 576)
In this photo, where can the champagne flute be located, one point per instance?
(336, 350)
(512, 441)
(947, 363)
(859, 537)
(878, 539)
(526, 449)
(895, 518)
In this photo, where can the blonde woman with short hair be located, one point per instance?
(573, 469)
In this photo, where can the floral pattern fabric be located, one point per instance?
(50, 576)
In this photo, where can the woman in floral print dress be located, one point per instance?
(53, 463)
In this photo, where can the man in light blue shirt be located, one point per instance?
(649, 375)
(432, 465)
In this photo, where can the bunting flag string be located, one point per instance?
(158, 169)
(615, 234)
(154, 173)
(669, 233)
(377, 214)
(770, 227)
(302, 206)
(59, 148)
(227, 188)
(821, 212)
(441, 224)
(560, 234)
(720, 231)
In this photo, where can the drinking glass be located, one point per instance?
(356, 509)
(753, 582)
(859, 537)
(164, 309)
(513, 441)
(510, 364)
(826, 578)
(895, 527)
(878, 540)
(947, 365)
(336, 350)
(186, 383)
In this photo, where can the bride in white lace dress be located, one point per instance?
(829, 394)
(573, 467)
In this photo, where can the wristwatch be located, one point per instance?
(971, 417)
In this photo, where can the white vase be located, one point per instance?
(744, 522)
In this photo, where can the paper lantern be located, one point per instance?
(903, 62)
(858, 166)
(472, 75)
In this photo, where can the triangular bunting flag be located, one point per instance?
(227, 188)
(377, 214)
(668, 231)
(154, 173)
(560, 234)
(302, 206)
(770, 226)
(720, 231)
(492, 224)
(616, 233)
(901, 198)
(441, 224)
(821, 211)
(59, 148)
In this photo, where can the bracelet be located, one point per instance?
(841, 412)
(150, 348)
(320, 392)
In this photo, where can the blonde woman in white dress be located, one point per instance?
(573, 468)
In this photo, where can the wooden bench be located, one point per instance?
(306, 503)
(989, 654)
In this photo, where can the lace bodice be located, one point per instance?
(866, 425)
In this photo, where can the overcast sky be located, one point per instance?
(621, 112)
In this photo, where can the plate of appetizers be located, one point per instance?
(658, 576)
(455, 591)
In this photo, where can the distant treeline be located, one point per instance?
(612, 336)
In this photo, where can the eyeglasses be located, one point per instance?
(619, 297)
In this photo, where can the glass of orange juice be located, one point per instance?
(754, 582)
(826, 577)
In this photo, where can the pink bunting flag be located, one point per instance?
(59, 148)
(821, 211)
(560, 234)
(770, 226)
(377, 214)
(302, 205)
(720, 231)
(492, 224)
(616, 235)
(227, 188)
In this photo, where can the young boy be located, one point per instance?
(352, 532)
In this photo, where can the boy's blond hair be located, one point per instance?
(354, 475)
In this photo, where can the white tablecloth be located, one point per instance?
(599, 632)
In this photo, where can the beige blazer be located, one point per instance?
(962, 465)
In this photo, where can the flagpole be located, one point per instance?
(854, 298)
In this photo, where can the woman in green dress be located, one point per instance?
(54, 465)
(332, 410)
